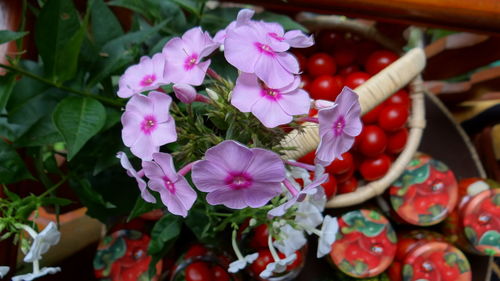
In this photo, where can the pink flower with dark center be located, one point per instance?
(244, 16)
(184, 57)
(272, 107)
(238, 177)
(338, 126)
(175, 192)
(147, 124)
(131, 172)
(144, 76)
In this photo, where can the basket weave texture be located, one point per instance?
(406, 70)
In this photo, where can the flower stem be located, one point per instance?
(36, 267)
(307, 119)
(301, 165)
(271, 248)
(235, 246)
(184, 170)
(202, 98)
(290, 188)
(140, 173)
(214, 75)
(108, 101)
(30, 231)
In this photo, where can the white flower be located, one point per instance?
(277, 266)
(300, 173)
(308, 216)
(4, 270)
(239, 264)
(42, 242)
(318, 199)
(290, 240)
(329, 231)
(34, 275)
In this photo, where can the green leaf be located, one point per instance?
(55, 201)
(198, 221)
(6, 85)
(43, 132)
(407, 272)
(58, 37)
(463, 266)
(140, 208)
(164, 231)
(9, 35)
(12, 168)
(471, 235)
(490, 238)
(11, 195)
(88, 195)
(285, 21)
(396, 201)
(451, 259)
(105, 25)
(360, 267)
(78, 119)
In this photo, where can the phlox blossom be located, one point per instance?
(144, 76)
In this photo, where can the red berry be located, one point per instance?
(321, 64)
(396, 141)
(305, 82)
(375, 168)
(302, 60)
(379, 60)
(372, 141)
(199, 271)
(330, 187)
(344, 72)
(401, 97)
(308, 158)
(259, 237)
(326, 87)
(393, 117)
(344, 55)
(340, 166)
(371, 117)
(328, 39)
(349, 186)
(345, 176)
(265, 258)
(355, 79)
(220, 274)
(195, 251)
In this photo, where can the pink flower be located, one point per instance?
(185, 93)
(309, 189)
(244, 16)
(175, 192)
(238, 177)
(184, 57)
(131, 172)
(260, 48)
(147, 124)
(272, 107)
(338, 126)
(144, 76)
(297, 39)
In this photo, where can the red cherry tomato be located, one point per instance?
(372, 141)
(345, 176)
(220, 274)
(349, 186)
(379, 60)
(393, 117)
(344, 55)
(328, 39)
(339, 166)
(330, 186)
(371, 116)
(355, 79)
(195, 251)
(374, 168)
(305, 82)
(259, 238)
(302, 60)
(308, 158)
(344, 72)
(401, 97)
(199, 271)
(312, 112)
(364, 50)
(261, 262)
(321, 64)
(396, 141)
(326, 87)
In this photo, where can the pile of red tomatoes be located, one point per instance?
(338, 60)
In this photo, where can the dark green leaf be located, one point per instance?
(105, 25)
(12, 168)
(198, 221)
(140, 208)
(218, 18)
(78, 119)
(58, 37)
(55, 201)
(285, 21)
(6, 85)
(164, 231)
(9, 35)
(11, 195)
(43, 132)
(471, 235)
(89, 196)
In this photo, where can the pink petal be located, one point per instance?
(292, 86)
(295, 103)
(288, 62)
(161, 105)
(164, 133)
(183, 199)
(261, 192)
(239, 48)
(270, 113)
(208, 176)
(144, 148)
(166, 164)
(140, 182)
(297, 39)
(184, 92)
(131, 127)
(266, 166)
(246, 92)
(196, 41)
(230, 156)
(269, 70)
(234, 199)
(244, 16)
(324, 153)
(140, 104)
(346, 100)
(152, 170)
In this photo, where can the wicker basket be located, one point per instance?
(394, 77)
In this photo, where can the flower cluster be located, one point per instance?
(236, 175)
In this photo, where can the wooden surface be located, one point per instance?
(474, 15)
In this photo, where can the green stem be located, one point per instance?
(54, 187)
(108, 101)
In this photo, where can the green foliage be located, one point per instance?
(9, 35)
(12, 168)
